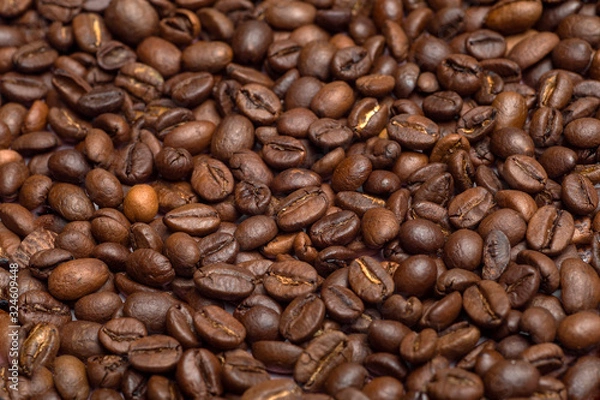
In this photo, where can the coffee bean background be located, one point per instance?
(300, 199)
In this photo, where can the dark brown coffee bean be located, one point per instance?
(149, 267)
(40, 347)
(468, 208)
(457, 340)
(521, 282)
(106, 371)
(463, 249)
(301, 208)
(496, 255)
(456, 280)
(74, 279)
(286, 280)
(71, 380)
(80, 339)
(486, 303)
(511, 377)
(550, 229)
(333, 100)
(277, 356)
(255, 231)
(302, 318)
(194, 219)
(413, 131)
(369, 280)
(150, 308)
(533, 49)
(477, 123)
(117, 334)
(224, 281)
(37, 306)
(156, 353)
(211, 179)
(460, 73)
(421, 236)
(125, 20)
(455, 382)
(281, 152)
(34, 57)
(98, 307)
(242, 371)
(335, 229)
(112, 55)
(21, 88)
(218, 328)
(258, 103)
(524, 173)
(508, 221)
(341, 303)
(578, 194)
(321, 356)
(578, 282)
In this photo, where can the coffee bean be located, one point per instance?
(224, 281)
(502, 377)
(74, 279)
(155, 353)
(218, 328)
(456, 382)
(302, 318)
(285, 280)
(369, 280)
(557, 231)
(322, 355)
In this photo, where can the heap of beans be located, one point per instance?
(299, 200)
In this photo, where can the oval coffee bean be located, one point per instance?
(154, 354)
(218, 328)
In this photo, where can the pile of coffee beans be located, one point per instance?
(299, 199)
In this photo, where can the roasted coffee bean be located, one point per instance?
(80, 339)
(149, 267)
(578, 282)
(71, 380)
(496, 255)
(218, 328)
(277, 356)
(468, 208)
(301, 208)
(335, 229)
(155, 353)
(369, 280)
(224, 281)
(117, 334)
(242, 371)
(511, 377)
(74, 279)
(302, 318)
(198, 373)
(486, 303)
(321, 356)
(550, 230)
(38, 306)
(285, 280)
(194, 219)
(275, 387)
(415, 132)
(521, 282)
(39, 348)
(578, 194)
